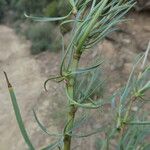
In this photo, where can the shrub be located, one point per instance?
(51, 9)
(124, 128)
(42, 37)
(2, 8)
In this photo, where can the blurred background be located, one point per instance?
(31, 51)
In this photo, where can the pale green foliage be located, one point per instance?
(92, 21)
(132, 126)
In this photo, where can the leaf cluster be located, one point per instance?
(92, 21)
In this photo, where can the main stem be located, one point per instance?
(71, 116)
(72, 108)
(74, 66)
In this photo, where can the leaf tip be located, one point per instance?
(25, 14)
(7, 80)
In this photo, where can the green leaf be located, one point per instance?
(78, 123)
(139, 123)
(54, 145)
(87, 85)
(53, 78)
(43, 128)
(134, 137)
(83, 105)
(123, 96)
(90, 25)
(145, 88)
(18, 115)
(146, 56)
(94, 131)
(85, 70)
(46, 19)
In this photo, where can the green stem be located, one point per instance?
(67, 137)
(127, 114)
(72, 108)
(71, 81)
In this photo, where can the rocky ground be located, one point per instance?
(27, 74)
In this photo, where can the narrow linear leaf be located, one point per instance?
(85, 70)
(18, 114)
(78, 123)
(43, 128)
(95, 131)
(83, 105)
(145, 88)
(139, 123)
(55, 79)
(130, 78)
(46, 19)
(146, 56)
(53, 146)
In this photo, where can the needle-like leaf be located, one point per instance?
(18, 114)
(43, 128)
(54, 145)
(46, 19)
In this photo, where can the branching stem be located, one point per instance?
(72, 108)
(127, 114)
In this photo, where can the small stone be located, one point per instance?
(127, 41)
(135, 108)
